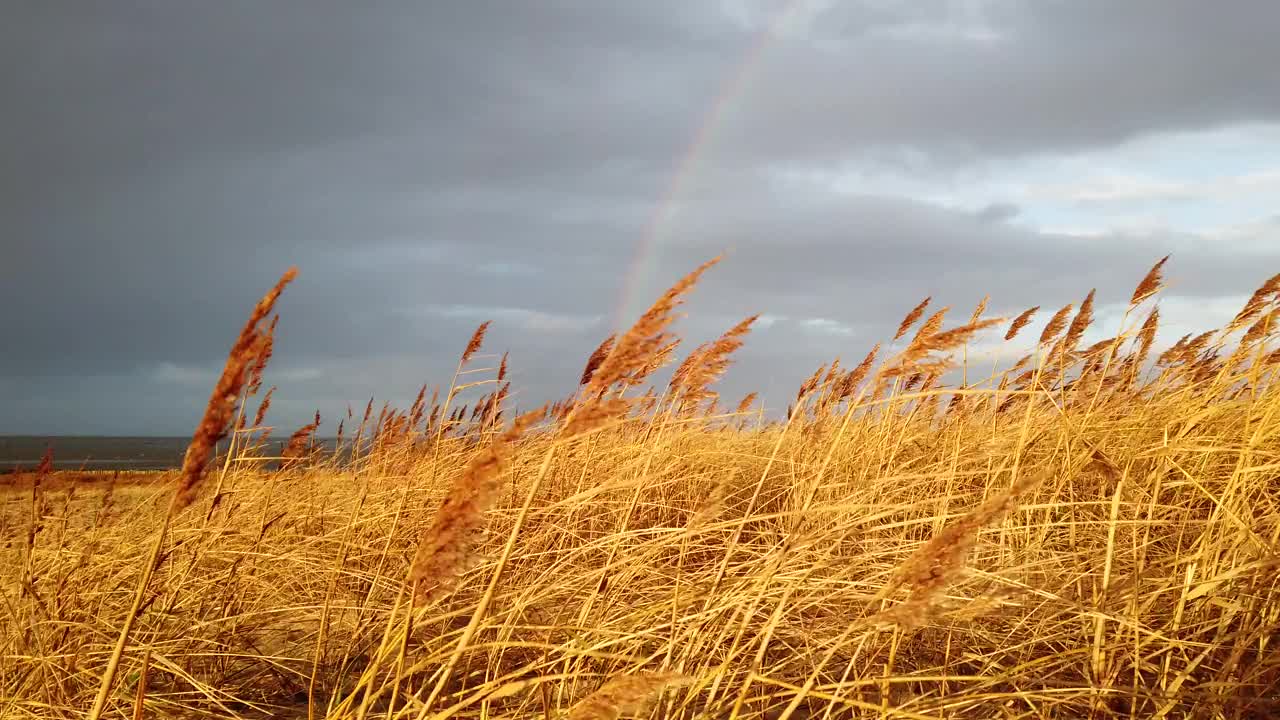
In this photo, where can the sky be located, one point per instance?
(552, 166)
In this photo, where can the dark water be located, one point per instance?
(102, 453)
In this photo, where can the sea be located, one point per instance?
(90, 452)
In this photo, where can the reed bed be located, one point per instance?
(1085, 532)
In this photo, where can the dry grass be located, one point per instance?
(1082, 535)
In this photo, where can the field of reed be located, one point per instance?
(1090, 531)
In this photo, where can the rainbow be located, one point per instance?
(648, 248)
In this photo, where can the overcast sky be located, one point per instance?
(552, 165)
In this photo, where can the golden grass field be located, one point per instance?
(1088, 532)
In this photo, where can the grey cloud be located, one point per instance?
(162, 163)
(1051, 76)
(891, 249)
(998, 212)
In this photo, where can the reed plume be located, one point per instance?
(833, 371)
(264, 356)
(1020, 322)
(296, 448)
(448, 548)
(911, 318)
(596, 414)
(597, 356)
(660, 359)
(811, 383)
(1079, 324)
(473, 345)
(45, 466)
(932, 567)
(1260, 328)
(635, 349)
(957, 336)
(419, 407)
(644, 347)
(981, 308)
(38, 503)
(1255, 303)
(849, 383)
(914, 358)
(1054, 327)
(1147, 335)
(1171, 355)
(708, 364)
(1150, 284)
(1095, 350)
(930, 326)
(221, 407)
(1194, 347)
(263, 407)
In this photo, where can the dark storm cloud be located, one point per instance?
(979, 79)
(429, 165)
